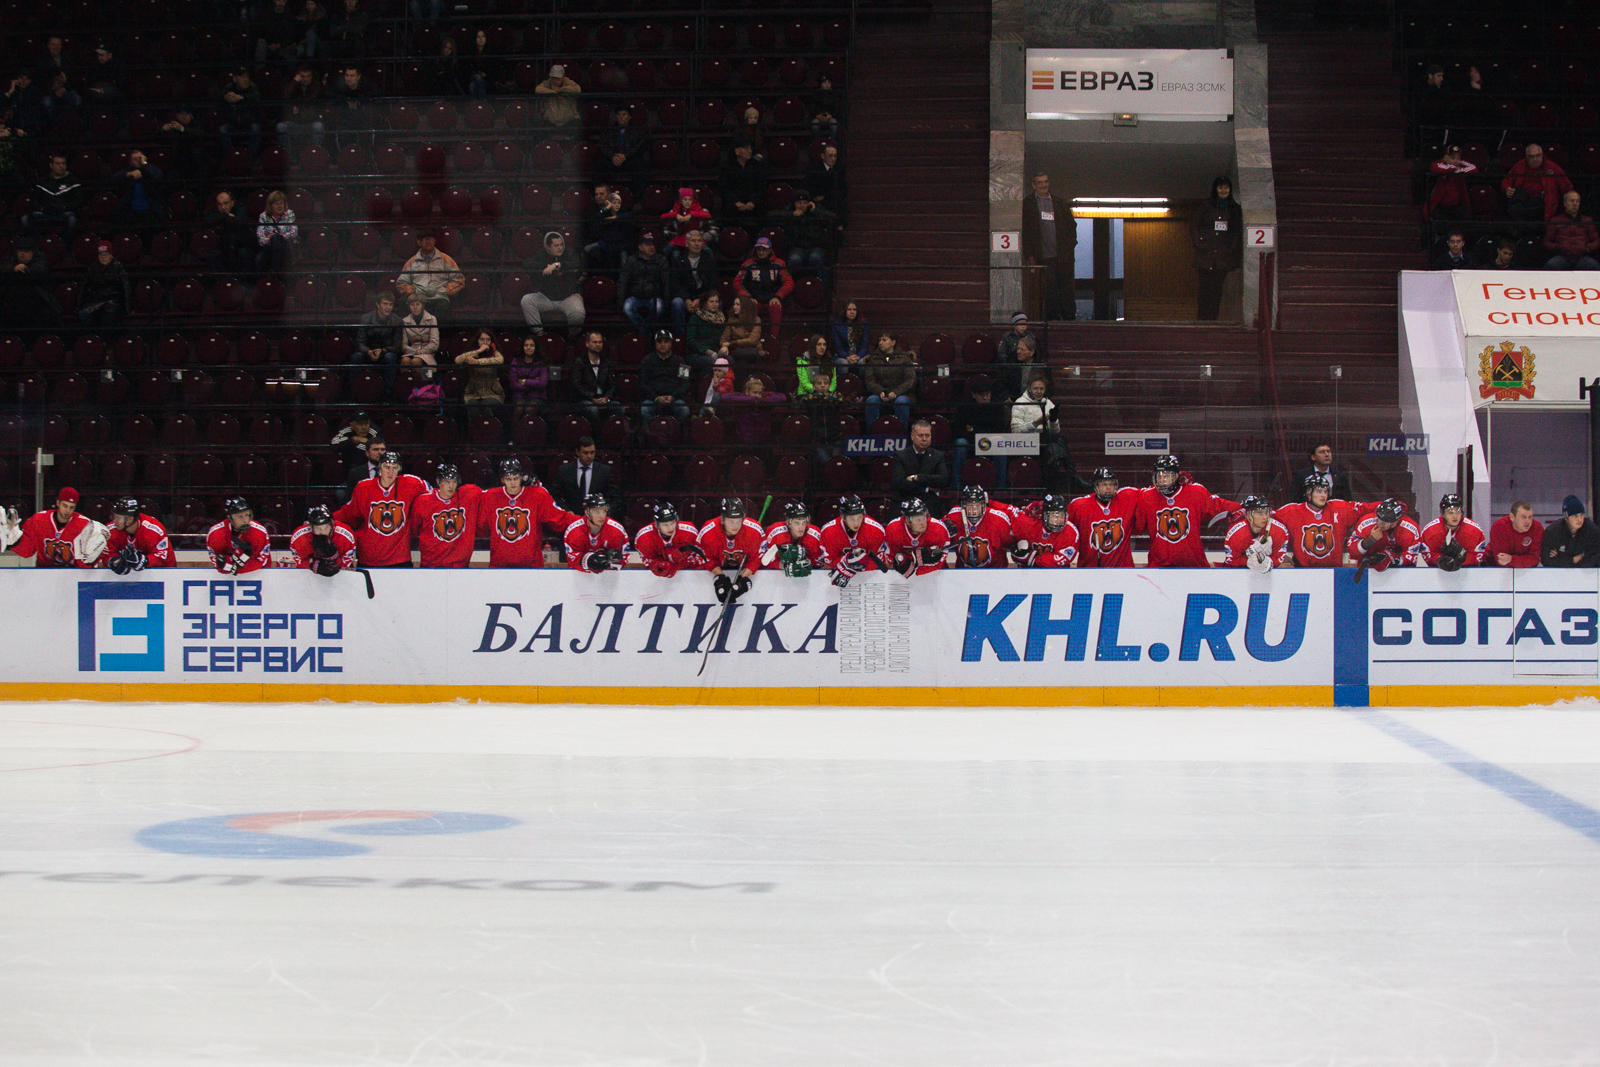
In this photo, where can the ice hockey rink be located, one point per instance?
(447, 884)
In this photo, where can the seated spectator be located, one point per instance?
(684, 215)
(486, 71)
(61, 99)
(663, 381)
(810, 231)
(891, 378)
(556, 109)
(1533, 187)
(55, 200)
(348, 112)
(825, 113)
(27, 297)
(302, 118)
(54, 60)
(764, 278)
(236, 237)
(190, 163)
(1033, 411)
(447, 75)
(276, 234)
(103, 295)
(718, 385)
(239, 112)
(749, 134)
(26, 103)
(743, 186)
(584, 474)
(920, 470)
(1572, 237)
(529, 379)
(278, 33)
(1449, 199)
(593, 380)
(691, 277)
(1455, 255)
(1505, 256)
(311, 23)
(350, 443)
(105, 82)
(816, 377)
(419, 335)
(704, 330)
(347, 32)
(138, 192)
(1572, 542)
(606, 230)
(1007, 349)
(626, 148)
(852, 338)
(642, 286)
(556, 274)
(741, 337)
(431, 273)
(483, 380)
(750, 412)
(825, 179)
(979, 413)
(378, 339)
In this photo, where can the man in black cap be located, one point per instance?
(810, 230)
(642, 288)
(1573, 542)
(663, 381)
(979, 414)
(26, 298)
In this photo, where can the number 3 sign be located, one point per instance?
(1002, 241)
(1260, 236)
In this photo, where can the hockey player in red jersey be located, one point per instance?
(980, 533)
(1384, 539)
(239, 544)
(732, 542)
(135, 540)
(1319, 527)
(1172, 512)
(668, 546)
(379, 511)
(852, 542)
(1257, 541)
(916, 542)
(1047, 541)
(323, 545)
(793, 545)
(513, 516)
(49, 536)
(445, 519)
(596, 542)
(1451, 541)
(1104, 521)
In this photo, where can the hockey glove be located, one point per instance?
(932, 554)
(327, 566)
(663, 568)
(1258, 557)
(128, 560)
(1451, 556)
(724, 587)
(741, 586)
(322, 546)
(905, 561)
(695, 553)
(1023, 553)
(90, 544)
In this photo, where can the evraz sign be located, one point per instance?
(1193, 85)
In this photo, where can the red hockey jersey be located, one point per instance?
(344, 545)
(994, 529)
(1174, 523)
(1057, 549)
(898, 539)
(778, 534)
(741, 553)
(445, 529)
(666, 559)
(51, 543)
(381, 519)
(836, 540)
(1394, 547)
(1240, 538)
(1105, 531)
(1523, 548)
(252, 552)
(148, 537)
(1469, 535)
(513, 524)
(1317, 536)
(580, 541)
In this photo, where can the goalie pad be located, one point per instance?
(90, 544)
(1258, 557)
(10, 528)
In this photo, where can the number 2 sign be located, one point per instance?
(1261, 237)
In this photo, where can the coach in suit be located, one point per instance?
(581, 475)
(1049, 246)
(1321, 463)
(920, 470)
(366, 467)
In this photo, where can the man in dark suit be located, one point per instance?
(920, 470)
(1321, 463)
(581, 475)
(625, 148)
(1049, 245)
(366, 468)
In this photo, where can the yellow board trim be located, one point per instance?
(1406, 696)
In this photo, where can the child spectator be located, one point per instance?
(720, 384)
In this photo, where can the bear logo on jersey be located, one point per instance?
(447, 523)
(513, 524)
(386, 516)
(1172, 524)
(732, 559)
(1316, 538)
(59, 553)
(1105, 535)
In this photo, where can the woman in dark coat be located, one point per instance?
(1217, 233)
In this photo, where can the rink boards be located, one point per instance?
(957, 638)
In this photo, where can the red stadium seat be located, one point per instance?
(746, 473)
(839, 475)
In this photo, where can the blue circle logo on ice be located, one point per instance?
(254, 836)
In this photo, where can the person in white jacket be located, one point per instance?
(1033, 412)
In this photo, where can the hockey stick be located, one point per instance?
(717, 628)
(368, 576)
(1361, 569)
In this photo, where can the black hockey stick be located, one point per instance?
(716, 628)
(368, 576)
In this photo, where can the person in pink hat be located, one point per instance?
(103, 295)
(683, 216)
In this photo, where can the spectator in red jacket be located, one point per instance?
(1449, 199)
(1572, 237)
(1514, 539)
(1534, 187)
(685, 215)
(765, 278)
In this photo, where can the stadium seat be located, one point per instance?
(746, 473)
(839, 475)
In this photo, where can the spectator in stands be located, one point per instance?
(642, 287)
(189, 163)
(556, 273)
(350, 443)
(749, 410)
(920, 470)
(719, 385)
(684, 215)
(529, 379)
(556, 109)
(749, 134)
(663, 381)
(485, 70)
(1013, 375)
(1455, 255)
(704, 327)
(61, 100)
(852, 338)
(26, 101)
(366, 464)
(1505, 256)
(276, 234)
(1006, 350)
(627, 151)
(979, 413)
(764, 278)
(891, 378)
(741, 337)
(1572, 542)
(810, 232)
(1515, 539)
(278, 33)
(1449, 199)
(302, 118)
(582, 475)
(103, 295)
(1432, 111)
(347, 31)
(1216, 232)
(419, 335)
(825, 112)
(1321, 456)
(1572, 236)
(53, 61)
(13, 151)
(593, 380)
(483, 378)
(691, 276)
(1033, 411)
(606, 230)
(743, 186)
(236, 237)
(27, 298)
(311, 24)
(816, 377)
(349, 113)
(106, 82)
(431, 273)
(825, 179)
(1533, 187)
(55, 200)
(378, 339)
(137, 187)
(239, 112)
(1049, 244)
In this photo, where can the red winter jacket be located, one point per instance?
(1548, 181)
(1571, 237)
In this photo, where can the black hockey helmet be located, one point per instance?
(1315, 480)
(1053, 505)
(664, 511)
(447, 470)
(974, 494)
(596, 500)
(1104, 474)
(318, 515)
(1391, 510)
(1256, 502)
(1167, 464)
(851, 505)
(796, 510)
(235, 505)
(733, 507)
(125, 506)
(1448, 501)
(389, 457)
(911, 507)
(510, 466)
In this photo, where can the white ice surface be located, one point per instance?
(1004, 888)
